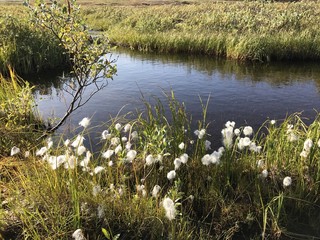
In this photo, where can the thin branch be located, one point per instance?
(84, 56)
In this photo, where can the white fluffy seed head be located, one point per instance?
(134, 135)
(85, 122)
(177, 163)
(98, 169)
(78, 235)
(150, 160)
(118, 149)
(264, 173)
(287, 181)
(81, 150)
(131, 155)
(155, 191)
(181, 146)
(14, 150)
(206, 160)
(169, 207)
(307, 145)
(127, 127)
(247, 131)
(202, 132)
(106, 135)
(118, 126)
(184, 158)
(171, 175)
(78, 141)
(108, 154)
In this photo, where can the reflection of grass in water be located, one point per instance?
(272, 73)
(232, 192)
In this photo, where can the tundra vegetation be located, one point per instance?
(154, 177)
(256, 31)
(25, 47)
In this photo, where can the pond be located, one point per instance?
(247, 93)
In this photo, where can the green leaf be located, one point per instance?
(106, 233)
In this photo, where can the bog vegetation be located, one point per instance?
(256, 31)
(260, 31)
(27, 48)
(154, 177)
(18, 117)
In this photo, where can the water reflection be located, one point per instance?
(245, 93)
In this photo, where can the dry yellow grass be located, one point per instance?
(119, 2)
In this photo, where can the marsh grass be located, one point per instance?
(26, 48)
(53, 194)
(241, 30)
(257, 31)
(18, 117)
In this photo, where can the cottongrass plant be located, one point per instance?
(145, 184)
(19, 120)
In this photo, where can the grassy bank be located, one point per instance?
(24, 47)
(20, 123)
(20, 126)
(239, 30)
(158, 180)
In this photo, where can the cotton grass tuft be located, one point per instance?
(14, 150)
(85, 122)
(169, 207)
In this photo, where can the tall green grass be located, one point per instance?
(26, 48)
(236, 192)
(19, 120)
(258, 31)
(240, 30)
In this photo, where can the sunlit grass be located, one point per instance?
(154, 177)
(240, 30)
(24, 47)
(257, 31)
(20, 123)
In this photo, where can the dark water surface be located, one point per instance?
(248, 94)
